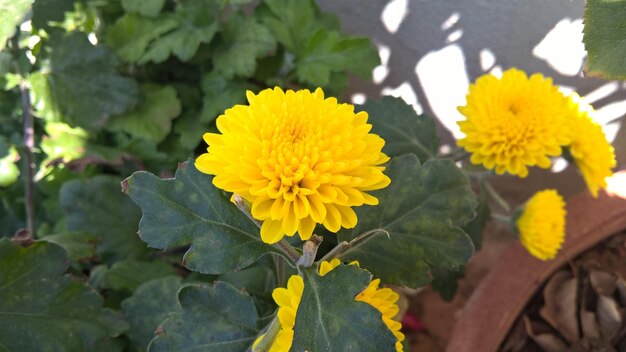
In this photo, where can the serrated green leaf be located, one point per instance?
(42, 310)
(327, 52)
(152, 119)
(129, 274)
(81, 85)
(149, 306)
(190, 210)
(98, 207)
(12, 13)
(197, 24)
(422, 212)
(605, 38)
(131, 35)
(46, 11)
(244, 41)
(402, 129)
(148, 8)
(330, 319)
(291, 21)
(78, 245)
(227, 316)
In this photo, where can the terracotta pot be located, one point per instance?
(503, 293)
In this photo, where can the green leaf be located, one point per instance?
(131, 35)
(605, 38)
(190, 210)
(221, 93)
(227, 316)
(129, 274)
(330, 319)
(328, 52)
(42, 310)
(9, 172)
(475, 227)
(402, 129)
(78, 245)
(63, 142)
(148, 8)
(81, 85)
(46, 11)
(292, 21)
(417, 222)
(244, 40)
(446, 281)
(149, 306)
(98, 207)
(152, 118)
(197, 24)
(12, 13)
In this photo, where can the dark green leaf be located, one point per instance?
(330, 319)
(475, 227)
(605, 38)
(12, 14)
(328, 52)
(78, 245)
(221, 93)
(97, 206)
(422, 212)
(292, 21)
(42, 310)
(131, 35)
(227, 316)
(402, 129)
(129, 274)
(152, 119)
(46, 11)
(244, 40)
(197, 24)
(148, 8)
(190, 210)
(446, 281)
(149, 306)
(81, 85)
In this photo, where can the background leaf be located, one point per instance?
(227, 317)
(148, 8)
(330, 319)
(131, 35)
(12, 13)
(244, 40)
(129, 274)
(46, 11)
(98, 207)
(152, 118)
(78, 245)
(81, 85)
(605, 38)
(190, 210)
(402, 129)
(149, 306)
(422, 211)
(42, 310)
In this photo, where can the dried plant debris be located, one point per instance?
(581, 307)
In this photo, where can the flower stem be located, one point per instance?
(495, 195)
(245, 208)
(309, 251)
(343, 247)
(270, 335)
(501, 218)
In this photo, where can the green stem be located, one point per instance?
(495, 195)
(344, 246)
(501, 218)
(270, 335)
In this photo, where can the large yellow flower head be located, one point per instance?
(383, 299)
(541, 226)
(514, 122)
(592, 152)
(300, 159)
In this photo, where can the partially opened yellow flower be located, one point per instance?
(300, 159)
(383, 299)
(514, 122)
(592, 152)
(541, 226)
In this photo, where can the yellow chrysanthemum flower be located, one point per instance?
(592, 152)
(514, 122)
(298, 158)
(288, 300)
(541, 225)
(383, 299)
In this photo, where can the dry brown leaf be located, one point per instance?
(560, 296)
(542, 336)
(609, 316)
(603, 283)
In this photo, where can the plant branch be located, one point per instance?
(344, 246)
(495, 195)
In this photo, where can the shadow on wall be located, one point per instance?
(432, 49)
